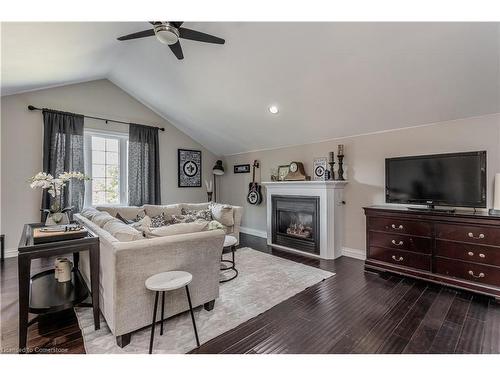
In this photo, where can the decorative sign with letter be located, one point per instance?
(242, 168)
(189, 172)
(319, 169)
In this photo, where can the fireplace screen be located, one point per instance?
(295, 222)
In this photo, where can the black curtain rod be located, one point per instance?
(33, 108)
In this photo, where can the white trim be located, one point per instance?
(10, 253)
(254, 232)
(354, 253)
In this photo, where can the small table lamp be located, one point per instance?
(218, 170)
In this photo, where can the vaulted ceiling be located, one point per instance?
(328, 80)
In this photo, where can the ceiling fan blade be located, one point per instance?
(199, 36)
(176, 24)
(177, 50)
(140, 34)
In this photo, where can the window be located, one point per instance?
(106, 163)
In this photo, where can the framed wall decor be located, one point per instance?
(319, 169)
(189, 168)
(283, 171)
(242, 168)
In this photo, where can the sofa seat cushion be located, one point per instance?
(121, 231)
(102, 218)
(127, 212)
(168, 210)
(223, 213)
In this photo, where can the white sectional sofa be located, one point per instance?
(127, 260)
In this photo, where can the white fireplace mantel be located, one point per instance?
(331, 204)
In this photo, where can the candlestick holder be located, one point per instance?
(341, 169)
(332, 173)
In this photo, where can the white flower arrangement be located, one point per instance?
(53, 185)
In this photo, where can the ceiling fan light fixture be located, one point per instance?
(166, 33)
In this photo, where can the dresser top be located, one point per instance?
(483, 214)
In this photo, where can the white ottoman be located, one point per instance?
(229, 246)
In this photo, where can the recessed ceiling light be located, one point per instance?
(273, 109)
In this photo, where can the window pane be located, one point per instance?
(112, 145)
(105, 168)
(112, 158)
(98, 157)
(98, 170)
(98, 143)
(98, 184)
(98, 198)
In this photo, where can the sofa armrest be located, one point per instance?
(237, 214)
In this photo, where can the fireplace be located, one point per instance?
(295, 222)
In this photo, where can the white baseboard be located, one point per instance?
(11, 253)
(254, 232)
(354, 253)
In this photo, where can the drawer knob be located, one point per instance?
(400, 259)
(480, 237)
(397, 243)
(476, 276)
(398, 227)
(481, 255)
(470, 253)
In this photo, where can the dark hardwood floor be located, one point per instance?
(352, 312)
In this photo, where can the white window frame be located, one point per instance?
(123, 147)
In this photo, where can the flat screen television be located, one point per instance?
(457, 180)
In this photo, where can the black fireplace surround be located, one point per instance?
(295, 222)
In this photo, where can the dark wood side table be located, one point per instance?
(43, 294)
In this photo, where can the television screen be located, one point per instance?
(446, 179)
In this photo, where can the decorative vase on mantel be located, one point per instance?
(56, 215)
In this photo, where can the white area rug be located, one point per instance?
(264, 281)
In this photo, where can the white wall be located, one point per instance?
(21, 146)
(364, 159)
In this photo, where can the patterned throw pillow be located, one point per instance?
(200, 214)
(158, 221)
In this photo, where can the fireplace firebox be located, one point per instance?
(295, 222)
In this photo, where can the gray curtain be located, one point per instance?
(63, 152)
(143, 165)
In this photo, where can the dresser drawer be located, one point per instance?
(468, 252)
(394, 225)
(401, 241)
(401, 258)
(481, 235)
(469, 271)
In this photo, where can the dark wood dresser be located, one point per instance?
(460, 249)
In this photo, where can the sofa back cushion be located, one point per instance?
(89, 213)
(127, 212)
(195, 206)
(101, 218)
(168, 210)
(121, 231)
(223, 213)
(174, 229)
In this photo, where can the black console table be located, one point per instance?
(42, 293)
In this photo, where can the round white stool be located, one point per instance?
(229, 246)
(164, 282)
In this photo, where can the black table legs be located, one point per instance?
(192, 316)
(94, 283)
(2, 247)
(153, 323)
(23, 274)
